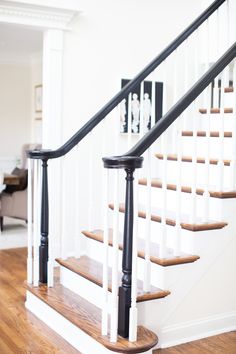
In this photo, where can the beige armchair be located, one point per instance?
(14, 204)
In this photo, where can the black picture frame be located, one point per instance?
(147, 89)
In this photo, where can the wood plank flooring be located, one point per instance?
(220, 344)
(20, 331)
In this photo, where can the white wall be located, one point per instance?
(18, 119)
(14, 110)
(35, 79)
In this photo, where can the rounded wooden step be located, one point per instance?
(87, 318)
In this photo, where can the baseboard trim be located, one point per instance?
(194, 330)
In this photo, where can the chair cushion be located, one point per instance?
(23, 176)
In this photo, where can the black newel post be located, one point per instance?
(129, 164)
(125, 288)
(43, 248)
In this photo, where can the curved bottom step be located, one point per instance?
(86, 317)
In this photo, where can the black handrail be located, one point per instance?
(103, 112)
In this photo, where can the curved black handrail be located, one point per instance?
(149, 138)
(104, 111)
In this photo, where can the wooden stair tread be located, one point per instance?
(169, 260)
(87, 317)
(173, 157)
(91, 270)
(215, 110)
(157, 183)
(203, 134)
(170, 220)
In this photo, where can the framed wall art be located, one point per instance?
(135, 107)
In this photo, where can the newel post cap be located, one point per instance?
(123, 162)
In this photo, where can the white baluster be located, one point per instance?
(50, 265)
(147, 265)
(178, 228)
(175, 90)
(221, 134)
(163, 241)
(206, 194)
(194, 166)
(30, 221)
(78, 243)
(194, 108)
(114, 309)
(90, 179)
(36, 234)
(129, 121)
(141, 116)
(164, 104)
(63, 217)
(105, 253)
(133, 320)
(186, 80)
(153, 100)
(207, 100)
(233, 161)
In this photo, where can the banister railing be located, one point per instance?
(129, 161)
(104, 111)
(133, 160)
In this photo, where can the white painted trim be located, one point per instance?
(83, 287)
(198, 329)
(35, 15)
(68, 331)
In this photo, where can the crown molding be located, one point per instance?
(35, 15)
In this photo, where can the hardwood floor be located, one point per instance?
(221, 344)
(20, 331)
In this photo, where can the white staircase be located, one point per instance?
(172, 234)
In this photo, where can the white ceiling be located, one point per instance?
(18, 43)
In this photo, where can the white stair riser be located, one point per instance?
(94, 293)
(215, 122)
(187, 174)
(215, 147)
(187, 144)
(188, 238)
(186, 202)
(162, 277)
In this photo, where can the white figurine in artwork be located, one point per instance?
(147, 111)
(135, 108)
(122, 115)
